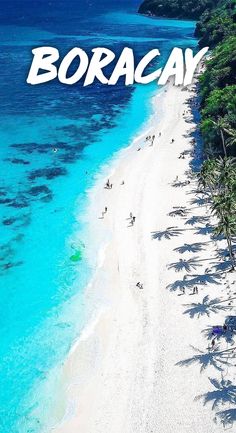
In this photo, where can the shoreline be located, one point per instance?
(117, 377)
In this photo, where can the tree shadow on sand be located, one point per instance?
(196, 220)
(179, 184)
(178, 212)
(223, 266)
(169, 233)
(224, 252)
(215, 358)
(197, 280)
(206, 307)
(207, 230)
(218, 333)
(211, 278)
(199, 201)
(185, 265)
(224, 392)
(227, 417)
(190, 248)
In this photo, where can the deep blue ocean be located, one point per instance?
(43, 267)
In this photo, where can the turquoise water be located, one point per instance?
(43, 193)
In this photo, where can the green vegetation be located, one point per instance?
(218, 178)
(218, 103)
(216, 23)
(190, 9)
(216, 28)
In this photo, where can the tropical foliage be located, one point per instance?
(218, 178)
(176, 8)
(216, 28)
(216, 23)
(218, 91)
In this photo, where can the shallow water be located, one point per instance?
(43, 193)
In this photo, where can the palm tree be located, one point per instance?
(227, 227)
(219, 176)
(208, 175)
(227, 173)
(223, 204)
(222, 127)
(231, 140)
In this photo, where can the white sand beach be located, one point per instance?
(129, 374)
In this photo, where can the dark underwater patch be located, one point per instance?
(3, 192)
(62, 145)
(19, 203)
(21, 221)
(42, 192)
(18, 161)
(5, 200)
(9, 221)
(38, 190)
(68, 158)
(10, 265)
(29, 148)
(19, 237)
(6, 251)
(24, 220)
(46, 198)
(47, 173)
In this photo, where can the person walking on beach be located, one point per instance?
(132, 220)
(104, 212)
(152, 140)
